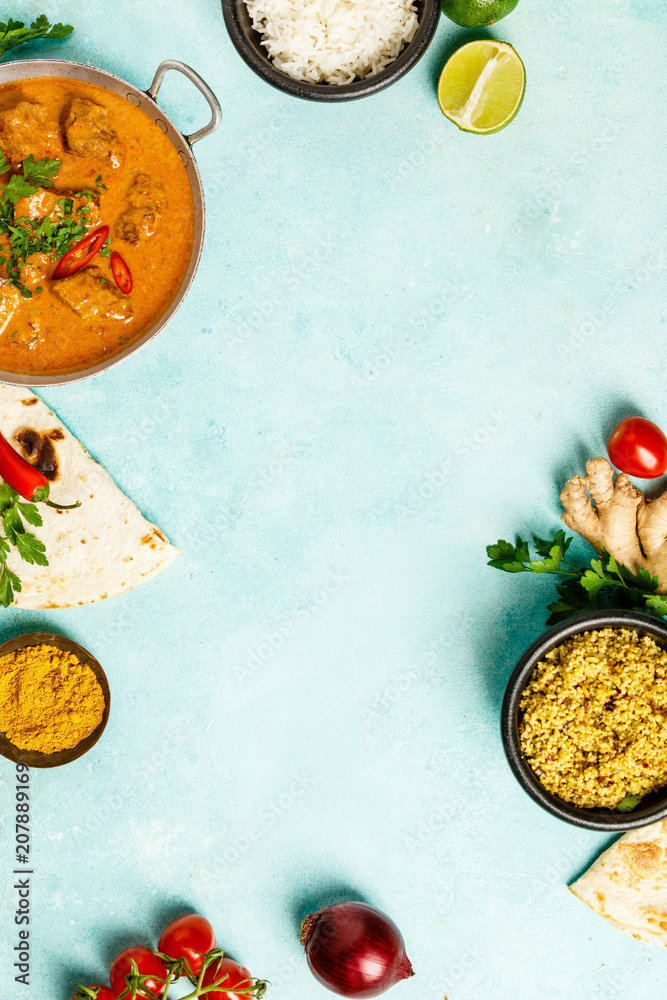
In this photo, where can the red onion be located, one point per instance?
(354, 950)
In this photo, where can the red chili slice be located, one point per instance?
(121, 273)
(73, 261)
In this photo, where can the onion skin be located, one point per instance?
(355, 950)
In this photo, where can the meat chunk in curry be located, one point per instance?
(25, 129)
(92, 295)
(46, 203)
(146, 202)
(87, 131)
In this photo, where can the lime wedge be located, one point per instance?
(482, 86)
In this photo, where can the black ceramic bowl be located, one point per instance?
(653, 807)
(35, 758)
(248, 44)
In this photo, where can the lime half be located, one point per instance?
(477, 13)
(482, 86)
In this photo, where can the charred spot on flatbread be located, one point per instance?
(30, 402)
(643, 860)
(38, 449)
(656, 918)
(150, 538)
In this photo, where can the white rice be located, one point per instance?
(333, 41)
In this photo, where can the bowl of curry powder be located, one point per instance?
(54, 700)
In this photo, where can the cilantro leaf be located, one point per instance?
(31, 513)
(40, 172)
(8, 496)
(9, 584)
(31, 549)
(592, 580)
(629, 803)
(647, 581)
(15, 33)
(657, 604)
(18, 187)
(510, 558)
(551, 564)
(13, 524)
(4, 163)
(542, 546)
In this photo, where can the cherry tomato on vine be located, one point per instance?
(148, 964)
(188, 937)
(237, 978)
(639, 448)
(103, 992)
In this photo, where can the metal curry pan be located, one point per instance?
(26, 69)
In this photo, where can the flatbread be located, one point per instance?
(628, 884)
(102, 548)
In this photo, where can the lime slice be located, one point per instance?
(477, 13)
(482, 86)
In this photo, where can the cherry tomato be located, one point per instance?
(121, 273)
(103, 992)
(639, 448)
(188, 937)
(237, 978)
(148, 964)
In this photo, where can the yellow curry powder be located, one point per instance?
(49, 700)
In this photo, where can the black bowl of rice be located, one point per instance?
(331, 50)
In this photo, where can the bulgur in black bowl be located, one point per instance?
(652, 807)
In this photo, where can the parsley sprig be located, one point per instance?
(603, 583)
(15, 33)
(24, 237)
(13, 533)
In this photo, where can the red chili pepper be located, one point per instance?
(73, 261)
(121, 273)
(25, 478)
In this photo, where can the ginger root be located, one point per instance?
(619, 519)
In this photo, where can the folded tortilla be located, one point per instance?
(628, 884)
(102, 548)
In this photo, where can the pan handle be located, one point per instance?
(202, 87)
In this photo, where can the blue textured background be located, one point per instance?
(401, 340)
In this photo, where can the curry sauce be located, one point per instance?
(138, 187)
